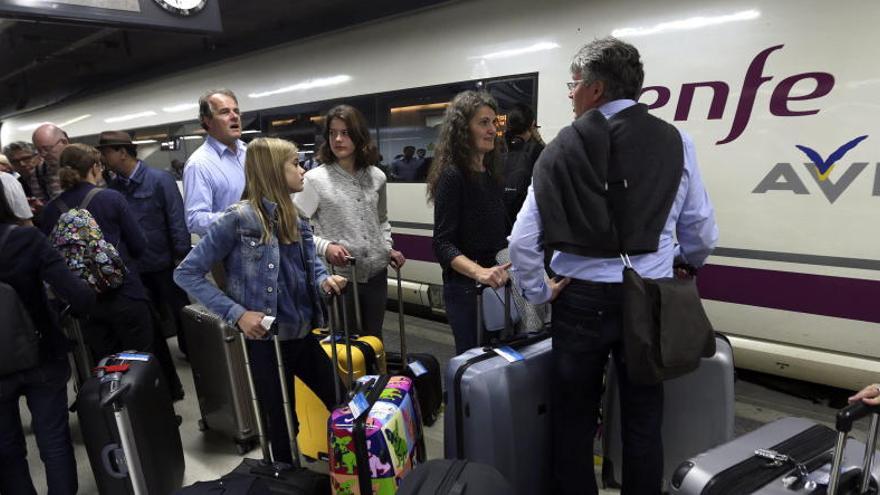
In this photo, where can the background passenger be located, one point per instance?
(469, 218)
(49, 141)
(406, 168)
(121, 319)
(346, 201)
(154, 200)
(14, 196)
(272, 270)
(213, 177)
(524, 145)
(27, 260)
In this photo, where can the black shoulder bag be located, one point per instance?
(665, 328)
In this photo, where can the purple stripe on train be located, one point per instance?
(839, 297)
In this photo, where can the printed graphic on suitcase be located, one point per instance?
(392, 431)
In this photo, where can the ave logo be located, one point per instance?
(783, 176)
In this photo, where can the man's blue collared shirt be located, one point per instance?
(154, 200)
(691, 223)
(213, 178)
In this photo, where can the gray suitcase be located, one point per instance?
(687, 430)
(497, 411)
(220, 377)
(753, 463)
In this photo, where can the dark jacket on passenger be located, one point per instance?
(26, 262)
(154, 200)
(117, 224)
(518, 164)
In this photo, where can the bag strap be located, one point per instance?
(61, 205)
(5, 236)
(88, 199)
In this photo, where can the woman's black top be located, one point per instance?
(469, 219)
(28, 260)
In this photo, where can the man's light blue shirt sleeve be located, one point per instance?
(198, 199)
(527, 252)
(695, 229)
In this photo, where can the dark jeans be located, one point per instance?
(164, 292)
(302, 357)
(586, 328)
(119, 324)
(45, 389)
(373, 297)
(460, 298)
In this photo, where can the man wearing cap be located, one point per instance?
(155, 202)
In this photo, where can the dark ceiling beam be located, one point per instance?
(86, 41)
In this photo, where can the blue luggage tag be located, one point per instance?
(131, 356)
(508, 353)
(358, 404)
(417, 368)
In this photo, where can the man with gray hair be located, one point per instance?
(49, 141)
(617, 180)
(213, 177)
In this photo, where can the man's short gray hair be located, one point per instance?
(17, 146)
(205, 106)
(615, 63)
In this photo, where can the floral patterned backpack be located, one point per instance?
(81, 243)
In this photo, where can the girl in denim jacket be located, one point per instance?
(269, 256)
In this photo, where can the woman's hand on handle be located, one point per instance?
(869, 395)
(494, 277)
(334, 284)
(336, 254)
(251, 324)
(396, 259)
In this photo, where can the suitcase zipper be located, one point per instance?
(451, 476)
(754, 472)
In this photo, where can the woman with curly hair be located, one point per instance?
(345, 200)
(470, 221)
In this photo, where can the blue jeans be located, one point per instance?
(586, 329)
(45, 389)
(460, 297)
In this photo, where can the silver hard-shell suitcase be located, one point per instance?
(220, 377)
(698, 414)
(497, 410)
(789, 456)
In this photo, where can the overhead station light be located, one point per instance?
(75, 120)
(419, 108)
(305, 85)
(685, 24)
(144, 141)
(515, 52)
(251, 131)
(131, 116)
(180, 108)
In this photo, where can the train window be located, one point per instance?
(409, 121)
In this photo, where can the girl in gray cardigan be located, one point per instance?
(346, 202)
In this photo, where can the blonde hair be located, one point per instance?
(265, 178)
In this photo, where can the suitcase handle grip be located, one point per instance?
(113, 395)
(852, 413)
(115, 470)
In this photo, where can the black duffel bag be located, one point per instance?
(454, 476)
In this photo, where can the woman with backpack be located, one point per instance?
(268, 252)
(122, 319)
(27, 260)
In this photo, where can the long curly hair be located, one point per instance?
(455, 146)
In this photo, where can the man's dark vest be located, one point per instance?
(629, 166)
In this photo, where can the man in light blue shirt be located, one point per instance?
(213, 177)
(614, 145)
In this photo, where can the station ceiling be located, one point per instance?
(46, 62)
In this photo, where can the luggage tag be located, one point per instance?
(358, 404)
(133, 356)
(509, 353)
(417, 368)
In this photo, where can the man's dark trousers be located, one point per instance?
(586, 328)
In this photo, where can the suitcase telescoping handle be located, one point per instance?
(506, 332)
(352, 261)
(400, 320)
(255, 403)
(337, 309)
(845, 419)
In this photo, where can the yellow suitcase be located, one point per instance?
(369, 358)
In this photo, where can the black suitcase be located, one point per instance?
(423, 368)
(278, 477)
(129, 427)
(448, 476)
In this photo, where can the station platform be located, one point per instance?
(209, 456)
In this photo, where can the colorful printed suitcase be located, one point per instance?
(687, 430)
(368, 358)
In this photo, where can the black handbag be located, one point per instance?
(665, 328)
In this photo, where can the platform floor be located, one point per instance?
(209, 456)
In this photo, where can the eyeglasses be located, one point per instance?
(573, 84)
(46, 149)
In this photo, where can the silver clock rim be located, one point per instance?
(183, 12)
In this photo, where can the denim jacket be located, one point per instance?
(252, 267)
(153, 198)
